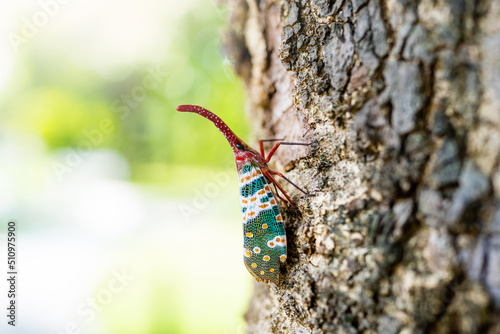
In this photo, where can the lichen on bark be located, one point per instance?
(401, 101)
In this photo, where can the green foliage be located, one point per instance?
(82, 86)
(63, 103)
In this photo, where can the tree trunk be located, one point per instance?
(401, 101)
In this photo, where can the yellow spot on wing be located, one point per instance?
(271, 270)
(283, 258)
(266, 258)
(263, 206)
(264, 226)
(262, 192)
(273, 201)
(254, 265)
(279, 219)
(253, 199)
(249, 234)
(267, 188)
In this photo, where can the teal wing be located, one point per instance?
(264, 239)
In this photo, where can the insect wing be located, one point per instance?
(264, 239)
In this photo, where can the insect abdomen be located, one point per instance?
(264, 239)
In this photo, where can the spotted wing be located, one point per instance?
(264, 239)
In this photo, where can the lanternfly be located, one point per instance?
(264, 238)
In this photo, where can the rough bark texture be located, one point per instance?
(401, 100)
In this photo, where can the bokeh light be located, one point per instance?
(127, 212)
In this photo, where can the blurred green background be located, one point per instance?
(127, 211)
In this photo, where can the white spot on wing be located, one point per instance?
(279, 240)
(251, 206)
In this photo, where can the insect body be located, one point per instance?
(264, 245)
(264, 240)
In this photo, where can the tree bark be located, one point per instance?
(401, 101)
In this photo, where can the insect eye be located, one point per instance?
(239, 146)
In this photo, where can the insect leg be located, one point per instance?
(275, 147)
(286, 179)
(278, 194)
(270, 177)
(261, 145)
